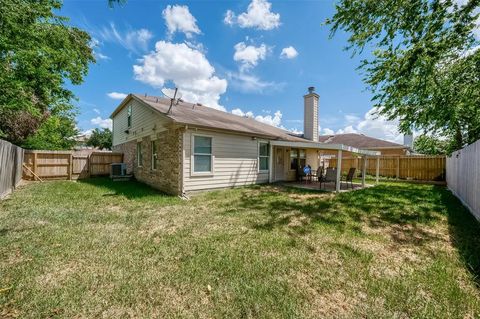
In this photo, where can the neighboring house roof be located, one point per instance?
(207, 117)
(358, 141)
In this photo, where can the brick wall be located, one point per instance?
(167, 177)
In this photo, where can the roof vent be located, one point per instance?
(311, 89)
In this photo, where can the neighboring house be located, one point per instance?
(191, 147)
(368, 143)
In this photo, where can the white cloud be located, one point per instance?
(103, 123)
(370, 125)
(96, 111)
(239, 112)
(351, 118)
(178, 18)
(294, 131)
(327, 131)
(274, 120)
(288, 53)
(187, 68)
(132, 40)
(229, 17)
(117, 95)
(348, 129)
(95, 46)
(258, 15)
(249, 83)
(249, 55)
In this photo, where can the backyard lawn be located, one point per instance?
(119, 250)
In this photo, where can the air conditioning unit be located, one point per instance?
(118, 169)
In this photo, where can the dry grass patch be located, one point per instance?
(98, 249)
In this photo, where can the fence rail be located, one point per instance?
(11, 159)
(423, 168)
(68, 164)
(463, 176)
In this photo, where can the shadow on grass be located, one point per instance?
(405, 212)
(464, 232)
(129, 189)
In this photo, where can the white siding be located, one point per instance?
(235, 162)
(145, 121)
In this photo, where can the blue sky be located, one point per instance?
(251, 57)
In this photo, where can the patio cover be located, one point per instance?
(340, 148)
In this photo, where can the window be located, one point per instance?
(154, 155)
(263, 156)
(139, 154)
(293, 159)
(297, 158)
(129, 116)
(302, 159)
(202, 154)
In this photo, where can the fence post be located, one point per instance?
(70, 167)
(397, 174)
(34, 164)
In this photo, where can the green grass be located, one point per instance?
(119, 250)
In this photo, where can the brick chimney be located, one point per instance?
(310, 114)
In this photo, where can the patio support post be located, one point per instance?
(270, 163)
(364, 170)
(339, 171)
(377, 173)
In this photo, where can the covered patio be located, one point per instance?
(288, 157)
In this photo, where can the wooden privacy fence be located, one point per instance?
(11, 159)
(68, 164)
(424, 168)
(463, 176)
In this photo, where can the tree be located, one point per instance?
(39, 52)
(424, 68)
(430, 145)
(56, 133)
(101, 139)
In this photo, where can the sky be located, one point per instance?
(249, 57)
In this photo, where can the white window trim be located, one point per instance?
(139, 154)
(129, 110)
(258, 156)
(151, 155)
(192, 157)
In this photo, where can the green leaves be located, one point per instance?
(39, 52)
(422, 56)
(101, 139)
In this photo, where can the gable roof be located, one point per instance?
(201, 116)
(358, 141)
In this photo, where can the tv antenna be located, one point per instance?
(173, 95)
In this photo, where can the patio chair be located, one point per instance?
(349, 177)
(330, 176)
(301, 174)
(319, 173)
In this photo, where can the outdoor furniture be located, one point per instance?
(330, 176)
(349, 177)
(319, 173)
(301, 174)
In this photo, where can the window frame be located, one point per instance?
(139, 155)
(129, 116)
(298, 158)
(192, 156)
(153, 155)
(263, 156)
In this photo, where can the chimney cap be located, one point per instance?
(311, 89)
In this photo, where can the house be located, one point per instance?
(369, 143)
(180, 147)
